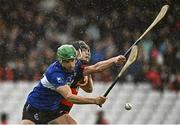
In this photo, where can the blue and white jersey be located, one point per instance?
(44, 97)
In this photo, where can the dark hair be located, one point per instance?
(80, 45)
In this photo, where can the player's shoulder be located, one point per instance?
(55, 67)
(55, 70)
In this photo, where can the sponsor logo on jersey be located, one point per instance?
(36, 116)
(59, 80)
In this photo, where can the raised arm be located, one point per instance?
(103, 65)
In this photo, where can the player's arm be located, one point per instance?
(65, 91)
(59, 83)
(87, 84)
(102, 65)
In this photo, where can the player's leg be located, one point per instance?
(64, 119)
(26, 121)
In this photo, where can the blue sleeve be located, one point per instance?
(57, 79)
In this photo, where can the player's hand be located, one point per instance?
(83, 82)
(119, 59)
(100, 100)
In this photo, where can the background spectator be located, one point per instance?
(4, 118)
(100, 118)
(31, 31)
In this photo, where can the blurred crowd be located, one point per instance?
(32, 30)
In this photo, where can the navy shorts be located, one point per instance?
(40, 117)
(65, 108)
